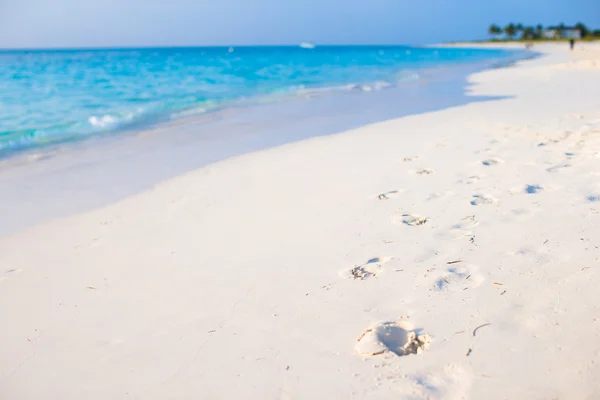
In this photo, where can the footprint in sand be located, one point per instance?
(492, 161)
(471, 180)
(533, 189)
(482, 199)
(370, 269)
(558, 167)
(409, 219)
(398, 337)
(460, 278)
(462, 229)
(388, 195)
(594, 197)
(425, 171)
(548, 142)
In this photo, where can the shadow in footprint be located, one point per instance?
(492, 161)
(481, 199)
(388, 195)
(409, 219)
(558, 167)
(533, 189)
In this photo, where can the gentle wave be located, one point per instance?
(27, 138)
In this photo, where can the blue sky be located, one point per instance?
(101, 23)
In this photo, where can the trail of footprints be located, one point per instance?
(399, 337)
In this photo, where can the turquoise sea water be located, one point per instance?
(50, 97)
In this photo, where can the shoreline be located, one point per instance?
(278, 273)
(124, 164)
(116, 121)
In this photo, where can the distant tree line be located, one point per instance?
(519, 31)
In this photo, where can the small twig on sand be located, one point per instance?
(469, 352)
(480, 326)
(454, 262)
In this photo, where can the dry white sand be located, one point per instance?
(447, 255)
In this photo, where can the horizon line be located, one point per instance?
(144, 47)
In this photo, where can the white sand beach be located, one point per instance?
(447, 255)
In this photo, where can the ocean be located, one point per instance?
(54, 97)
(80, 129)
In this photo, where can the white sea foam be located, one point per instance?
(110, 121)
(104, 121)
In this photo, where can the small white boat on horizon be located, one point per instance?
(308, 45)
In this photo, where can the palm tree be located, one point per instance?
(510, 30)
(583, 29)
(539, 31)
(519, 28)
(494, 30)
(528, 33)
(560, 29)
